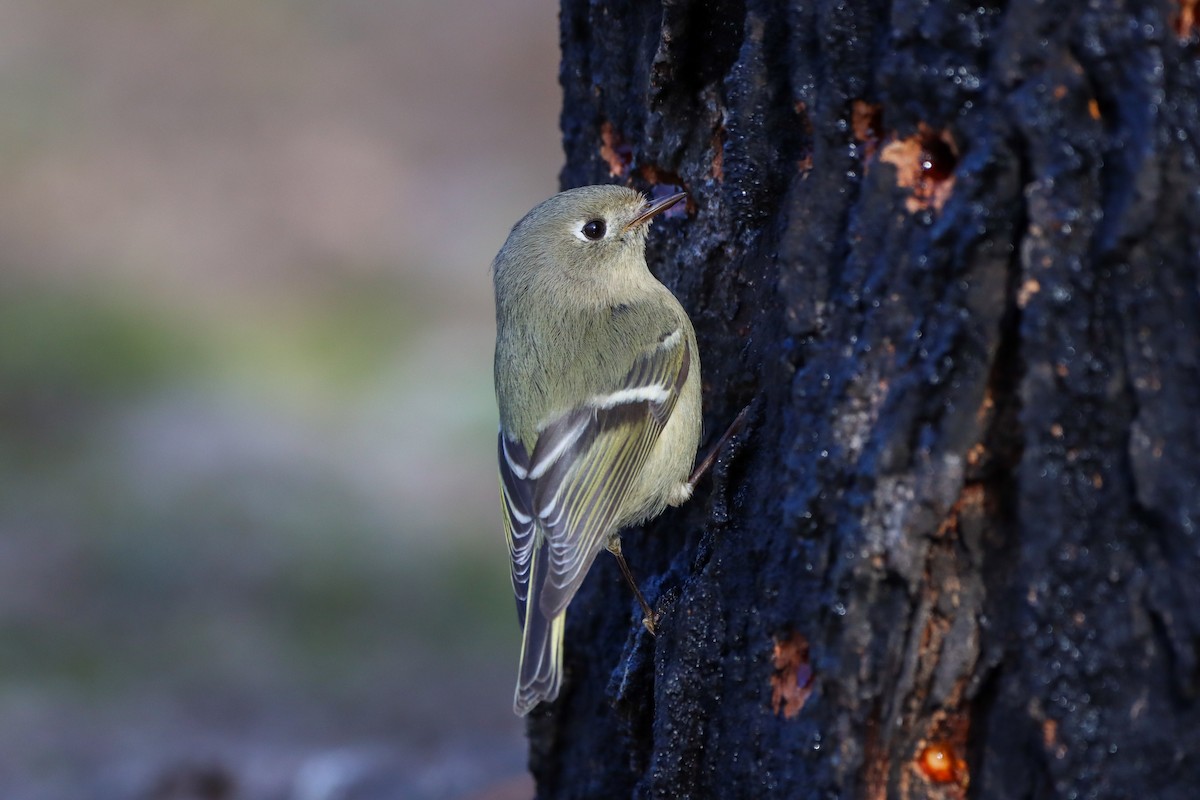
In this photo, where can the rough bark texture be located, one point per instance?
(950, 250)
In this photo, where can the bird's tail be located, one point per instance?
(540, 673)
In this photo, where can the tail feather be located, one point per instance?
(540, 672)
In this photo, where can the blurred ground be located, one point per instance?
(249, 543)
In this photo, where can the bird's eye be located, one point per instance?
(594, 229)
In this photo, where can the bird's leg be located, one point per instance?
(614, 541)
(704, 466)
(614, 547)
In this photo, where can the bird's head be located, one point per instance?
(590, 238)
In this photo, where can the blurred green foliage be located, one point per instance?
(87, 345)
(250, 575)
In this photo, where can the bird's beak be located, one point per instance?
(653, 209)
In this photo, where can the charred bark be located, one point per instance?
(951, 253)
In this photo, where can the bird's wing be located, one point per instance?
(516, 496)
(540, 673)
(585, 462)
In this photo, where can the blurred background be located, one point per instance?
(249, 535)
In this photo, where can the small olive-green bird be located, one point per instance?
(598, 384)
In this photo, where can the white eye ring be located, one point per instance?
(599, 229)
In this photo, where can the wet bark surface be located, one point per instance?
(950, 253)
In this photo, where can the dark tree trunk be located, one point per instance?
(950, 251)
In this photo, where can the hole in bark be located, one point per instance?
(925, 165)
(939, 763)
(1185, 21)
(613, 149)
(937, 158)
(718, 159)
(792, 682)
(663, 183)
